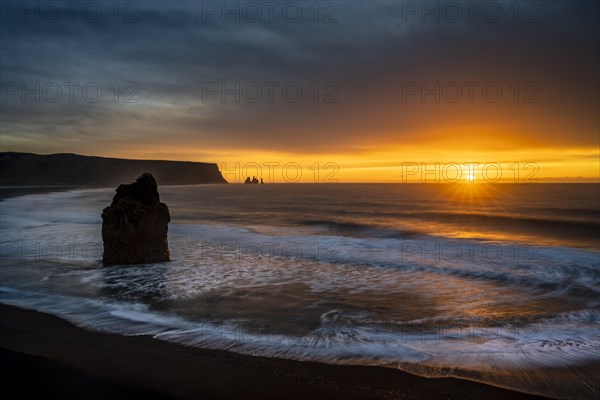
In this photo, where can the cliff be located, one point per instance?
(27, 169)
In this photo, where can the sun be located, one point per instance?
(471, 177)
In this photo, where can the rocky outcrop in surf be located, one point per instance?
(135, 225)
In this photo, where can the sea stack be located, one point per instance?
(135, 225)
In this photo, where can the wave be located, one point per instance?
(520, 222)
(514, 219)
(581, 212)
(532, 230)
(500, 358)
(357, 229)
(556, 270)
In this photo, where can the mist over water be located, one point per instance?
(497, 283)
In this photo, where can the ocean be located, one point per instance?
(494, 283)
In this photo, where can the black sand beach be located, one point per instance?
(46, 357)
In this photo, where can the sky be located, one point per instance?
(304, 91)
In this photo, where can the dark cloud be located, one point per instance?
(173, 50)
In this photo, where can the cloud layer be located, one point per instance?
(372, 75)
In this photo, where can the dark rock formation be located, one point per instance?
(28, 169)
(253, 181)
(134, 226)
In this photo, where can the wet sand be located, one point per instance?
(47, 357)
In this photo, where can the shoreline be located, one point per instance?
(8, 192)
(47, 355)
